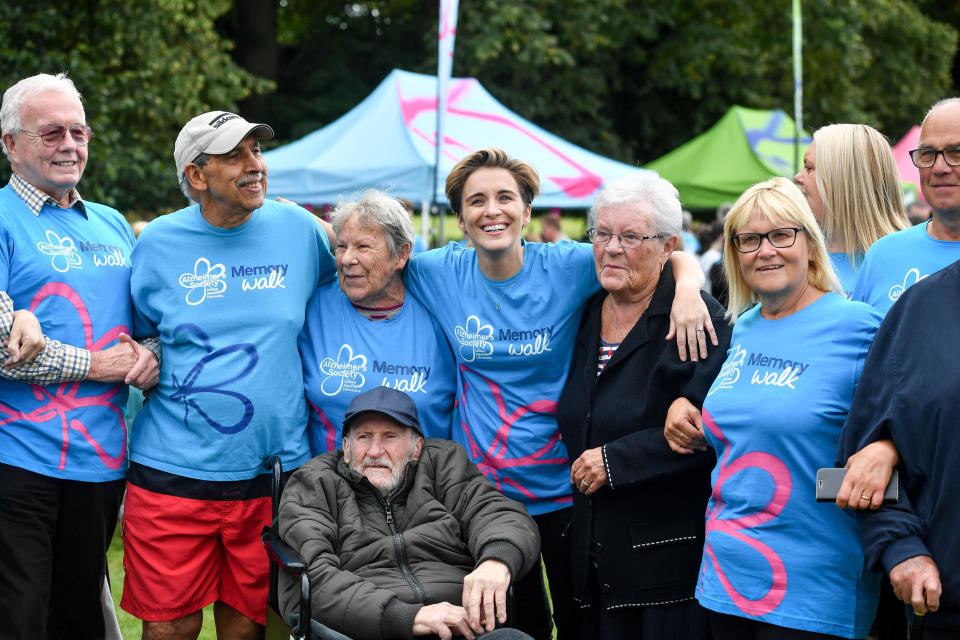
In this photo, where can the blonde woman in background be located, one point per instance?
(852, 185)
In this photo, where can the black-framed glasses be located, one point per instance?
(778, 238)
(52, 134)
(627, 239)
(926, 157)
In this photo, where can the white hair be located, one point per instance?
(377, 209)
(940, 103)
(647, 188)
(14, 97)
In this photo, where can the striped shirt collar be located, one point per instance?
(35, 199)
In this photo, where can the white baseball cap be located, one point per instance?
(214, 132)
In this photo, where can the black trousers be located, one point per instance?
(727, 627)
(531, 612)
(54, 536)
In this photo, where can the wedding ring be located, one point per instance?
(585, 484)
(864, 496)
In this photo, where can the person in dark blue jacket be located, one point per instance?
(908, 393)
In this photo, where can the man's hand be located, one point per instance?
(113, 363)
(146, 372)
(916, 581)
(486, 587)
(443, 619)
(26, 339)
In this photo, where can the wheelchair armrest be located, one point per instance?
(282, 554)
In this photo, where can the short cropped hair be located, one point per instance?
(859, 184)
(778, 200)
(527, 179)
(14, 97)
(377, 209)
(643, 188)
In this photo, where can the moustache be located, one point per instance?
(252, 178)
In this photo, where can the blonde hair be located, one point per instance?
(859, 185)
(778, 200)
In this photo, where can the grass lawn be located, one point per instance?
(129, 626)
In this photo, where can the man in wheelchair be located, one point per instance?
(397, 531)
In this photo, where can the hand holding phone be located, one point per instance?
(830, 479)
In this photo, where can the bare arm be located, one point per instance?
(689, 317)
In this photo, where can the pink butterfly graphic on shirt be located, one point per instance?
(734, 527)
(493, 461)
(60, 404)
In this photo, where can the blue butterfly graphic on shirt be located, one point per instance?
(200, 389)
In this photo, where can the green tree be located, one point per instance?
(144, 68)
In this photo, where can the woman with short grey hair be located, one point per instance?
(364, 331)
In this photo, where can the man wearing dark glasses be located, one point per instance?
(62, 435)
(901, 259)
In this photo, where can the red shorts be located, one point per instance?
(181, 554)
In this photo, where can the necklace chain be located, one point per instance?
(496, 303)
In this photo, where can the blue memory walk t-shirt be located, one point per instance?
(513, 341)
(774, 416)
(228, 305)
(896, 261)
(345, 354)
(846, 272)
(73, 271)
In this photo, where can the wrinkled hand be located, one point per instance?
(683, 428)
(113, 363)
(145, 373)
(486, 587)
(690, 322)
(26, 339)
(916, 581)
(442, 619)
(587, 473)
(868, 474)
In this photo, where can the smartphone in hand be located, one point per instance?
(829, 480)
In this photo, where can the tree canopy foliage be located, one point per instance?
(630, 79)
(144, 68)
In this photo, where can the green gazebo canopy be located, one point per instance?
(746, 146)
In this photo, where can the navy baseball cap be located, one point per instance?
(390, 402)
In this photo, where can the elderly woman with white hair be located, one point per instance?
(364, 331)
(637, 526)
(775, 563)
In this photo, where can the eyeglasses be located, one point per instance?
(52, 134)
(778, 238)
(925, 157)
(627, 239)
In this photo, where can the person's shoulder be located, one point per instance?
(168, 223)
(318, 467)
(851, 312)
(103, 211)
(894, 241)
(938, 285)
(285, 212)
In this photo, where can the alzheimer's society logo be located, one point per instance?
(343, 374)
(64, 252)
(206, 281)
(730, 371)
(913, 277)
(476, 340)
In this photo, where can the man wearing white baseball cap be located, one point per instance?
(223, 283)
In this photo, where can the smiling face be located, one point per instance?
(231, 185)
(633, 272)
(807, 179)
(368, 274)
(941, 182)
(492, 212)
(774, 274)
(54, 170)
(379, 448)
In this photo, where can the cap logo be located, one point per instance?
(222, 118)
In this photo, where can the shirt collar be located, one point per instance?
(35, 199)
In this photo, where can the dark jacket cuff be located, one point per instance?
(398, 619)
(903, 549)
(507, 553)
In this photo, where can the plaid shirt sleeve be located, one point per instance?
(57, 362)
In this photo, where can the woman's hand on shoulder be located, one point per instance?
(868, 472)
(689, 317)
(683, 428)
